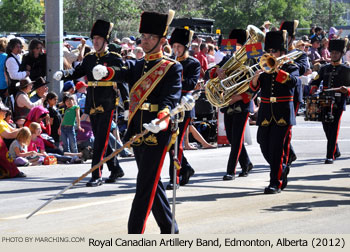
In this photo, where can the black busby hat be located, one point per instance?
(276, 40)
(181, 36)
(337, 45)
(290, 27)
(156, 23)
(101, 28)
(239, 34)
(39, 82)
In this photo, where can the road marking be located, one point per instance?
(315, 127)
(62, 209)
(318, 140)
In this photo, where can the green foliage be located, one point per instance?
(21, 16)
(123, 13)
(328, 13)
(230, 14)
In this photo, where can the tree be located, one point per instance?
(240, 13)
(123, 13)
(328, 13)
(21, 16)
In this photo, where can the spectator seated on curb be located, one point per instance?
(7, 132)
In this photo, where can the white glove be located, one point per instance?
(58, 75)
(153, 127)
(99, 72)
(126, 115)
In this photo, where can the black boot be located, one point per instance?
(170, 186)
(114, 176)
(246, 170)
(285, 178)
(272, 190)
(328, 161)
(93, 182)
(228, 176)
(186, 176)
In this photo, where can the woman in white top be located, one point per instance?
(13, 62)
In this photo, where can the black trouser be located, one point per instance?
(150, 192)
(332, 130)
(185, 166)
(272, 139)
(235, 125)
(101, 125)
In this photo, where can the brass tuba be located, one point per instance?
(219, 92)
(241, 78)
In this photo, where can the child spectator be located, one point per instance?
(55, 116)
(8, 119)
(81, 94)
(69, 89)
(19, 148)
(67, 130)
(7, 132)
(36, 143)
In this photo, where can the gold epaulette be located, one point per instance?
(170, 59)
(90, 53)
(115, 53)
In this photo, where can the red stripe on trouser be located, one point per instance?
(336, 139)
(288, 147)
(154, 189)
(106, 142)
(241, 142)
(281, 162)
(290, 134)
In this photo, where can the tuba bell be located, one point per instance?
(241, 78)
(219, 92)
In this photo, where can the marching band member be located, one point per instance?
(100, 99)
(303, 64)
(155, 89)
(335, 76)
(276, 114)
(236, 116)
(180, 41)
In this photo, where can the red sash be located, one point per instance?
(145, 85)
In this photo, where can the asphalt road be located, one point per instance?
(316, 200)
